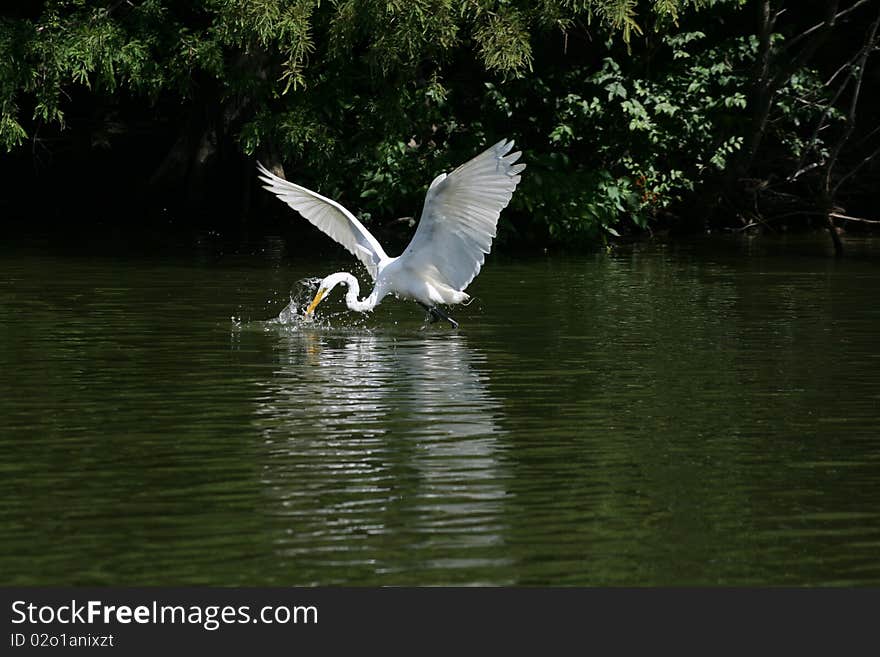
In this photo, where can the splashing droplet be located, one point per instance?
(292, 315)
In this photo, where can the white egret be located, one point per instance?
(446, 253)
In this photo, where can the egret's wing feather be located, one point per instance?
(461, 212)
(329, 217)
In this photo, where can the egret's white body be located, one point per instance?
(450, 244)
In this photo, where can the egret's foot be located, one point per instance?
(436, 315)
(439, 314)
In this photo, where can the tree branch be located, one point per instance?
(855, 169)
(837, 215)
(843, 67)
(867, 137)
(866, 50)
(820, 125)
(818, 26)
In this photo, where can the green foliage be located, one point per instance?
(630, 146)
(366, 100)
(152, 47)
(799, 104)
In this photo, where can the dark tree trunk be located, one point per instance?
(829, 187)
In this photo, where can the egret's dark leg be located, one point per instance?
(442, 315)
(437, 314)
(433, 315)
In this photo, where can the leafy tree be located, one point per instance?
(630, 110)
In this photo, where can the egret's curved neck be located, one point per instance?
(354, 290)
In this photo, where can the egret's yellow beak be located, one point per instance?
(316, 301)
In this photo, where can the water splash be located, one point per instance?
(294, 313)
(293, 318)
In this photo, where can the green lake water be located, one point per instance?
(661, 415)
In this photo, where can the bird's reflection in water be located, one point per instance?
(383, 454)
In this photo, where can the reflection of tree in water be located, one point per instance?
(382, 455)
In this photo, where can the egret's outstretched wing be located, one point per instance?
(461, 211)
(330, 217)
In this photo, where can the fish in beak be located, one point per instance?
(316, 301)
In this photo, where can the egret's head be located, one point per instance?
(325, 287)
